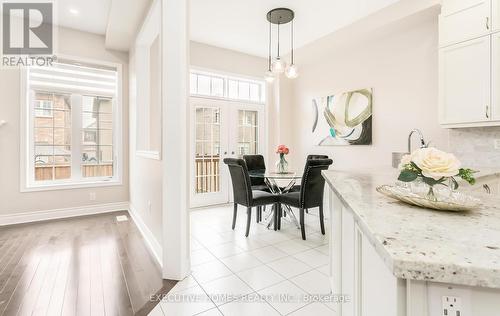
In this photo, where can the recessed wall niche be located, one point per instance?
(148, 71)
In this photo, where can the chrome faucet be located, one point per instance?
(422, 141)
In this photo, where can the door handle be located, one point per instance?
(232, 153)
(225, 153)
(487, 111)
(488, 23)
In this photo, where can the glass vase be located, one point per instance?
(282, 164)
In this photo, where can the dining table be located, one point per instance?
(279, 183)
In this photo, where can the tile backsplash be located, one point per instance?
(475, 147)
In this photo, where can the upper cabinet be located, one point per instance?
(469, 63)
(495, 76)
(465, 82)
(461, 20)
(495, 15)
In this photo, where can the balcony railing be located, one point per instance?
(207, 174)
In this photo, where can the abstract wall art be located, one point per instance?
(343, 119)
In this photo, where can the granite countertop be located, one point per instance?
(421, 244)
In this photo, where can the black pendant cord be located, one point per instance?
(292, 43)
(270, 44)
(278, 40)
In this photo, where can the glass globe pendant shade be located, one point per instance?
(278, 66)
(269, 76)
(292, 72)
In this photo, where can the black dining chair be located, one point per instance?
(311, 192)
(296, 188)
(255, 163)
(309, 157)
(243, 193)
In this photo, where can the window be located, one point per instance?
(43, 108)
(214, 85)
(72, 116)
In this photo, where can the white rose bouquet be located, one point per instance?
(434, 167)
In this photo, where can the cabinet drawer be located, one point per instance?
(464, 82)
(495, 76)
(461, 20)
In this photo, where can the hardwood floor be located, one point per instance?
(90, 265)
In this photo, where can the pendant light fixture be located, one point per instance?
(277, 65)
(269, 74)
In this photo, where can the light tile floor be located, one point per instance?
(268, 273)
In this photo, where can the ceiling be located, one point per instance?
(241, 25)
(85, 15)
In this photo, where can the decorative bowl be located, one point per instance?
(453, 201)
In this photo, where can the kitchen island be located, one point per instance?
(394, 259)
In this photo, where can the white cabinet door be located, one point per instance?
(464, 82)
(495, 15)
(348, 262)
(461, 20)
(376, 277)
(495, 86)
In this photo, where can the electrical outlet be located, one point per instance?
(92, 196)
(452, 306)
(497, 144)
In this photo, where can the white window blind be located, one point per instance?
(74, 78)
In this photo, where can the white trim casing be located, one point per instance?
(38, 216)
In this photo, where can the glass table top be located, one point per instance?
(275, 175)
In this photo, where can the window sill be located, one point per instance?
(70, 185)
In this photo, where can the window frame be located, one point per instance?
(28, 183)
(227, 77)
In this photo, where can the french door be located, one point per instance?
(220, 129)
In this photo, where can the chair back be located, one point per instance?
(313, 183)
(309, 157)
(255, 163)
(242, 189)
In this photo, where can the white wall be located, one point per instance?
(398, 60)
(12, 201)
(228, 61)
(145, 174)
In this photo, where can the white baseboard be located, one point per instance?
(38, 216)
(148, 236)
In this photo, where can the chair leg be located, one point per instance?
(280, 215)
(321, 219)
(307, 210)
(249, 220)
(257, 219)
(302, 225)
(234, 214)
(275, 215)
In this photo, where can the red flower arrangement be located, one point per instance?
(282, 150)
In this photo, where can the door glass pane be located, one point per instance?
(207, 156)
(248, 129)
